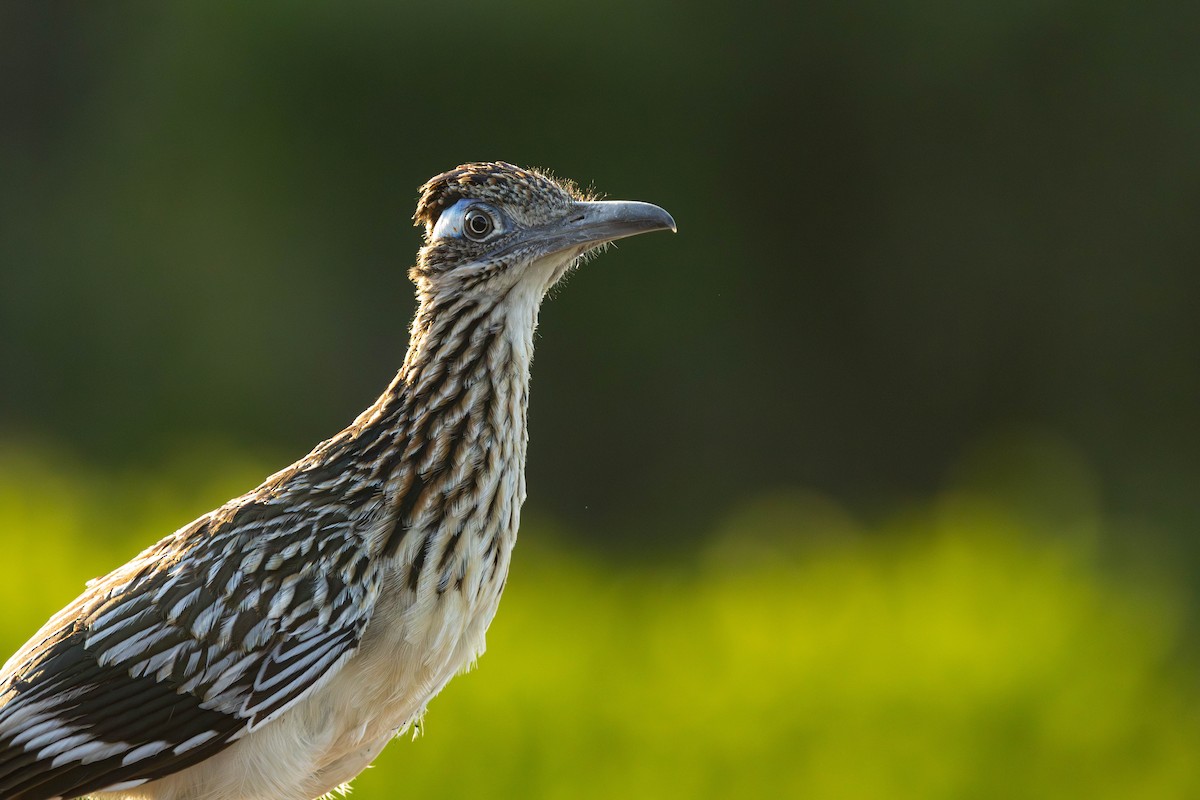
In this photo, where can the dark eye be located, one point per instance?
(477, 224)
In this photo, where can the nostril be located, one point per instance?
(577, 218)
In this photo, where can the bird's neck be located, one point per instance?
(470, 337)
(454, 417)
(456, 345)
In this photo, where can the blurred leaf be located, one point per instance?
(957, 651)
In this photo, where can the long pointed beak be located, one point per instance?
(609, 220)
(590, 224)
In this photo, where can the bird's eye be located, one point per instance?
(478, 224)
(469, 219)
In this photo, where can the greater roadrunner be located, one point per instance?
(271, 648)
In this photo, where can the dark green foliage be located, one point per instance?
(903, 227)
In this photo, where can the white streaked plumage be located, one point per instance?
(271, 648)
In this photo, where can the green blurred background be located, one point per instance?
(881, 479)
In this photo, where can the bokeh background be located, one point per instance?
(881, 479)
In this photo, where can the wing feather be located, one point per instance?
(207, 635)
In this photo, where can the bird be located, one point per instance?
(271, 648)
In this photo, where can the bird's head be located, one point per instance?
(491, 227)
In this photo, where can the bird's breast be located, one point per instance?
(440, 594)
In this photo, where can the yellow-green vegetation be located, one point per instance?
(956, 651)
